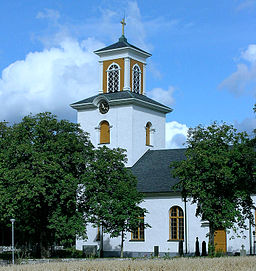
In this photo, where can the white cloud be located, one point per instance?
(49, 14)
(175, 135)
(246, 4)
(243, 80)
(50, 80)
(250, 53)
(163, 96)
(247, 125)
(66, 70)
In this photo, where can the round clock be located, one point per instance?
(103, 107)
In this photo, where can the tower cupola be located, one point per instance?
(122, 67)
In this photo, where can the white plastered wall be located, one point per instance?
(158, 235)
(127, 128)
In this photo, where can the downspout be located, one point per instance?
(186, 232)
(250, 236)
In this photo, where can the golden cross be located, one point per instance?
(123, 24)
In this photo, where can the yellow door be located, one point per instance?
(220, 241)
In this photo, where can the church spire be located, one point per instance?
(123, 24)
(123, 38)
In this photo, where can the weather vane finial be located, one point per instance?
(123, 24)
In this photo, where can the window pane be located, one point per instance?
(176, 223)
(174, 211)
(138, 234)
(180, 212)
(173, 228)
(113, 78)
(136, 79)
(135, 234)
(142, 230)
(181, 228)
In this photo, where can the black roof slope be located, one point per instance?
(153, 170)
(121, 95)
(122, 43)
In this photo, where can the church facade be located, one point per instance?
(121, 115)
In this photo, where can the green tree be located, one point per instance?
(218, 176)
(42, 162)
(109, 196)
(254, 139)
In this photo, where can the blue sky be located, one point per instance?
(203, 62)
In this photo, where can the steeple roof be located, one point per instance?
(122, 43)
(122, 97)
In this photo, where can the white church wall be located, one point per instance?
(158, 235)
(242, 237)
(195, 228)
(141, 116)
(119, 119)
(127, 128)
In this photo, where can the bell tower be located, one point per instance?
(122, 67)
(121, 115)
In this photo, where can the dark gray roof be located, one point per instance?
(122, 43)
(153, 170)
(121, 95)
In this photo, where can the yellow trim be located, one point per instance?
(104, 132)
(140, 233)
(106, 64)
(176, 209)
(98, 234)
(148, 126)
(132, 63)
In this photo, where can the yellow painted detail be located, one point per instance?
(176, 223)
(132, 63)
(148, 133)
(123, 24)
(138, 234)
(104, 132)
(106, 64)
(220, 241)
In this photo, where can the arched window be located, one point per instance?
(176, 223)
(113, 73)
(104, 132)
(136, 78)
(138, 233)
(148, 127)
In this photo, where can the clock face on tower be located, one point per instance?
(103, 107)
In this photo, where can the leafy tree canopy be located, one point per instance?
(42, 161)
(109, 195)
(218, 175)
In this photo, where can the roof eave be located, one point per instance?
(163, 109)
(102, 52)
(160, 108)
(78, 106)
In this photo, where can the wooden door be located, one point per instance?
(220, 241)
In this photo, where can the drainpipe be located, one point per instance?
(250, 236)
(186, 232)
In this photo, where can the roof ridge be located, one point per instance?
(130, 93)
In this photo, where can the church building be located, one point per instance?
(121, 115)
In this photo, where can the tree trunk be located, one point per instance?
(43, 245)
(122, 244)
(211, 248)
(101, 242)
